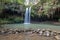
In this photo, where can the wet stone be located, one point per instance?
(0, 32)
(57, 37)
(41, 33)
(47, 33)
(58, 33)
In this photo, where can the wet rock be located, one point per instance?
(21, 31)
(59, 33)
(28, 31)
(40, 32)
(9, 31)
(37, 31)
(16, 32)
(43, 30)
(13, 32)
(57, 37)
(2, 32)
(47, 33)
(53, 33)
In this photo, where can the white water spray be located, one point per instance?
(27, 16)
(27, 13)
(28, 10)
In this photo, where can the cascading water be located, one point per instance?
(28, 10)
(27, 15)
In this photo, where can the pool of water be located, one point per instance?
(34, 26)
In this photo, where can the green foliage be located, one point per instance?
(59, 20)
(18, 1)
(46, 5)
(47, 8)
(18, 19)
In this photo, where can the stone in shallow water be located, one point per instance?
(10, 32)
(37, 30)
(58, 32)
(11, 29)
(47, 33)
(41, 32)
(2, 31)
(57, 37)
(16, 32)
(53, 34)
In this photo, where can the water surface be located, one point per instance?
(34, 26)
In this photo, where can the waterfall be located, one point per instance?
(28, 10)
(27, 15)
